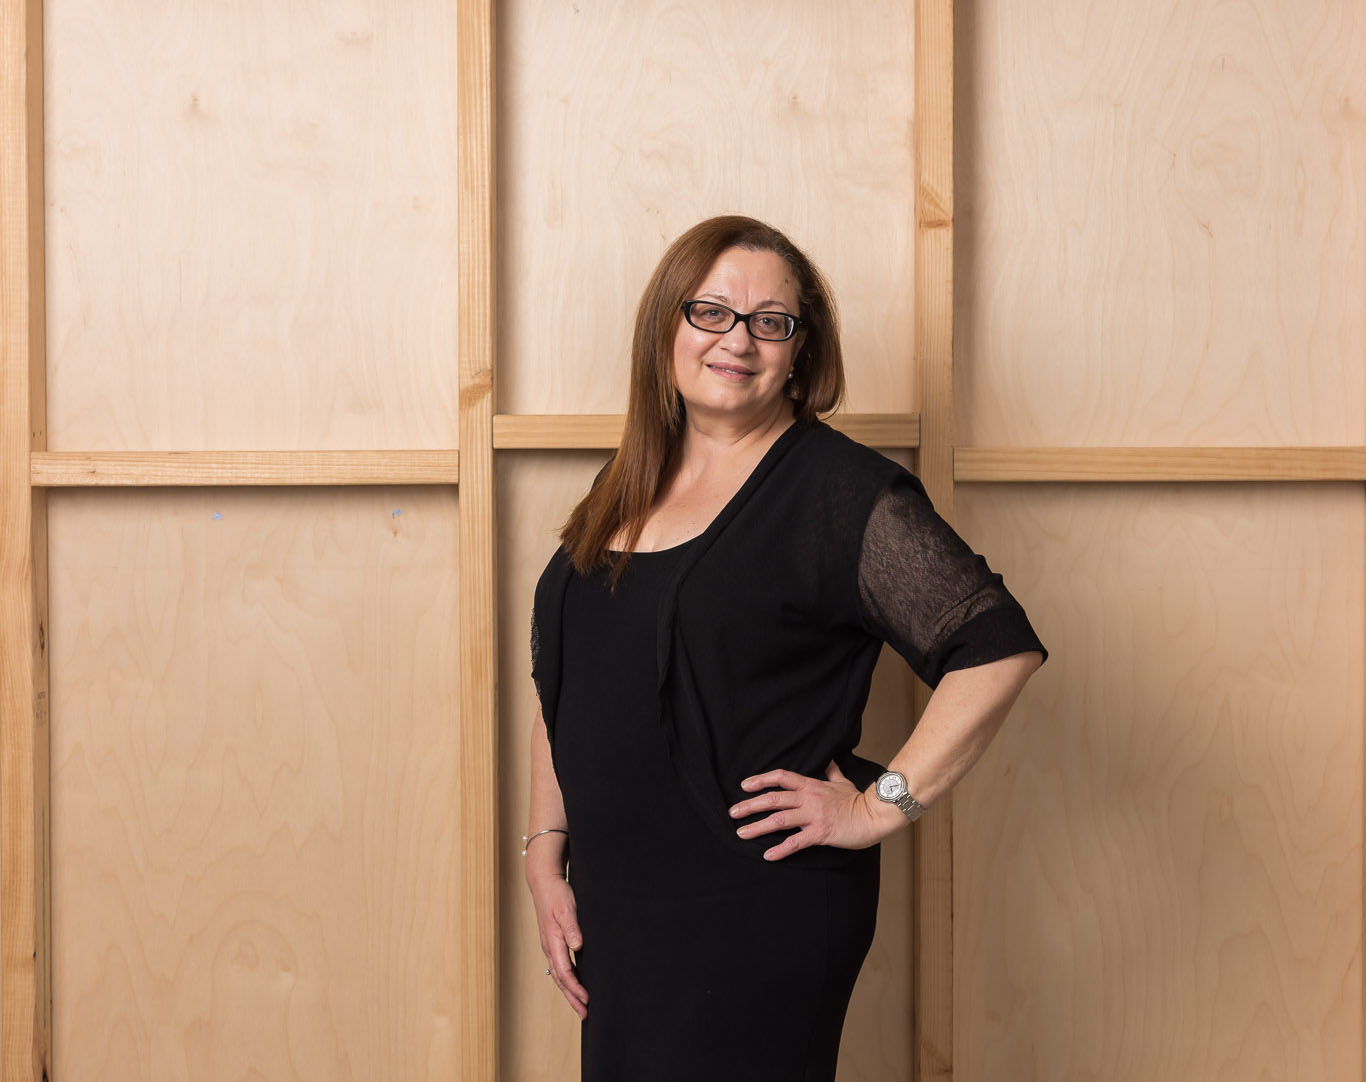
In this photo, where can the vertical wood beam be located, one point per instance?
(25, 938)
(477, 834)
(932, 861)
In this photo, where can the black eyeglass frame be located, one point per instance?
(741, 317)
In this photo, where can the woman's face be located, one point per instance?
(734, 374)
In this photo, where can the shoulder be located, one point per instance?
(848, 463)
(837, 481)
(553, 576)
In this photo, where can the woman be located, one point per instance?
(703, 642)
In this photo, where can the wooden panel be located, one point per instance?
(1162, 237)
(1158, 862)
(538, 1031)
(253, 740)
(621, 125)
(252, 211)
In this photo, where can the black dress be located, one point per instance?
(700, 963)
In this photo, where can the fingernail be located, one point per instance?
(735, 810)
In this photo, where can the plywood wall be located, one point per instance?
(251, 244)
(253, 821)
(1160, 223)
(1158, 866)
(619, 127)
(250, 224)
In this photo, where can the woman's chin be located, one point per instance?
(736, 402)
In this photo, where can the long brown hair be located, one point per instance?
(626, 488)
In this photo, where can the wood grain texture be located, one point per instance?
(25, 929)
(538, 1031)
(622, 125)
(1159, 463)
(1162, 223)
(1158, 867)
(253, 741)
(933, 972)
(94, 469)
(477, 783)
(603, 430)
(252, 212)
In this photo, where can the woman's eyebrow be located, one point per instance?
(764, 305)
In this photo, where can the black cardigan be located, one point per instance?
(771, 625)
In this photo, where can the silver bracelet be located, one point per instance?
(526, 840)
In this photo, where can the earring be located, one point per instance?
(789, 373)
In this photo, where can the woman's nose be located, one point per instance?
(738, 338)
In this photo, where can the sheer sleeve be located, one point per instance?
(536, 655)
(924, 592)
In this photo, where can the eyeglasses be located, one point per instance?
(718, 319)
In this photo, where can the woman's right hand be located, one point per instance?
(557, 917)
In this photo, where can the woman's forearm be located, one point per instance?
(545, 855)
(961, 718)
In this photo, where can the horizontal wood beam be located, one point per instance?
(84, 469)
(94, 469)
(1159, 464)
(602, 431)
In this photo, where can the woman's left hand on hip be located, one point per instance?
(831, 812)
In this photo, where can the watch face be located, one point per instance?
(891, 785)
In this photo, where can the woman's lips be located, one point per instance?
(731, 372)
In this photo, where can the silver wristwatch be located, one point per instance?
(891, 787)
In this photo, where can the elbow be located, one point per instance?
(1022, 666)
(1026, 665)
(1017, 669)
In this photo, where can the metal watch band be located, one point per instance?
(912, 807)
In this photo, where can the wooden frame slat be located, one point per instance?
(83, 469)
(25, 937)
(932, 840)
(86, 469)
(477, 833)
(602, 431)
(1159, 464)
